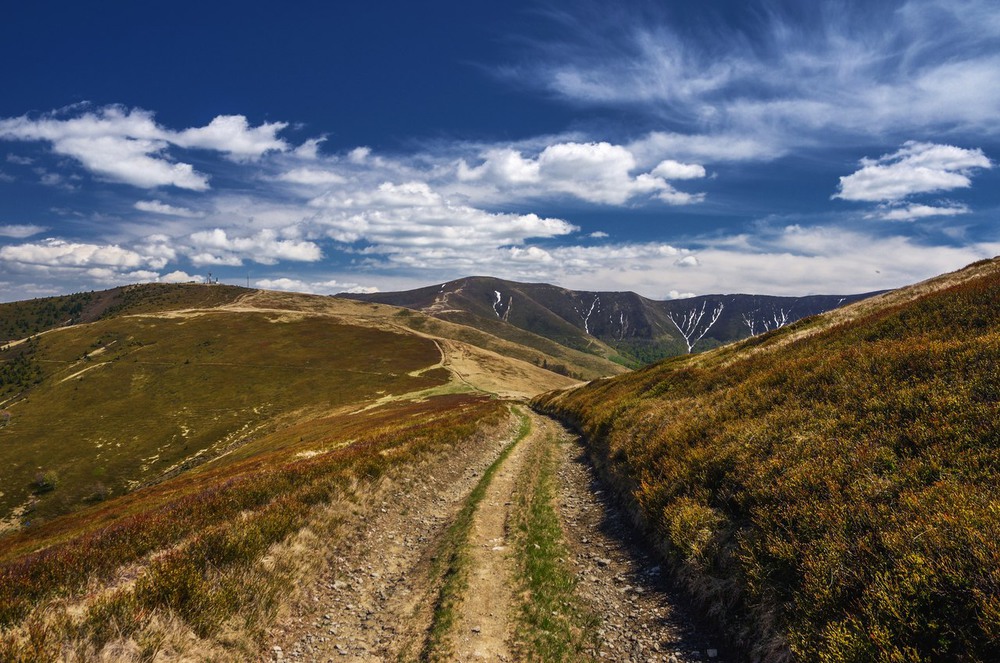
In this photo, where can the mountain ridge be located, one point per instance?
(622, 326)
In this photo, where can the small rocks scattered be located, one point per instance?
(639, 617)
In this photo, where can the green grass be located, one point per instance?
(453, 558)
(554, 625)
(832, 496)
(124, 401)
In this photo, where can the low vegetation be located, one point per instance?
(828, 492)
(129, 400)
(23, 319)
(192, 549)
(553, 624)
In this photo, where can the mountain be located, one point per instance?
(828, 491)
(622, 326)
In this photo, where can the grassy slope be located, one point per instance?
(827, 491)
(514, 343)
(240, 413)
(126, 399)
(196, 544)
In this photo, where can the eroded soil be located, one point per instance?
(375, 599)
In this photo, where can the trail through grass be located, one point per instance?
(553, 624)
(453, 560)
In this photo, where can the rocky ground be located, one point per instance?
(375, 599)
(642, 619)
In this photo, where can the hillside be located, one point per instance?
(205, 473)
(617, 325)
(169, 376)
(826, 491)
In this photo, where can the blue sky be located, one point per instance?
(670, 148)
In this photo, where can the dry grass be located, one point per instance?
(201, 550)
(828, 496)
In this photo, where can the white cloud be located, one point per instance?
(789, 78)
(180, 277)
(687, 261)
(413, 224)
(267, 247)
(309, 150)
(19, 160)
(57, 252)
(128, 146)
(913, 169)
(913, 212)
(21, 231)
(501, 166)
(330, 287)
(233, 136)
(598, 172)
(711, 147)
(157, 207)
(599, 234)
(359, 154)
(311, 176)
(669, 169)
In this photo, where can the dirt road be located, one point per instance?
(380, 595)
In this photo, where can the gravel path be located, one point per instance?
(618, 576)
(374, 601)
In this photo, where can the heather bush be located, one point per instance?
(832, 497)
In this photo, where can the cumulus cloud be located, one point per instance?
(178, 276)
(330, 287)
(688, 261)
(21, 231)
(669, 169)
(157, 207)
(127, 145)
(233, 136)
(58, 252)
(267, 247)
(413, 217)
(598, 172)
(913, 169)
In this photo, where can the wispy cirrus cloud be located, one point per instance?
(786, 78)
(21, 231)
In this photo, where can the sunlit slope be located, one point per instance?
(126, 400)
(829, 491)
(170, 376)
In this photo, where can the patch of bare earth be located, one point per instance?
(484, 626)
(641, 617)
(373, 600)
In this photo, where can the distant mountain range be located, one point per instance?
(622, 326)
